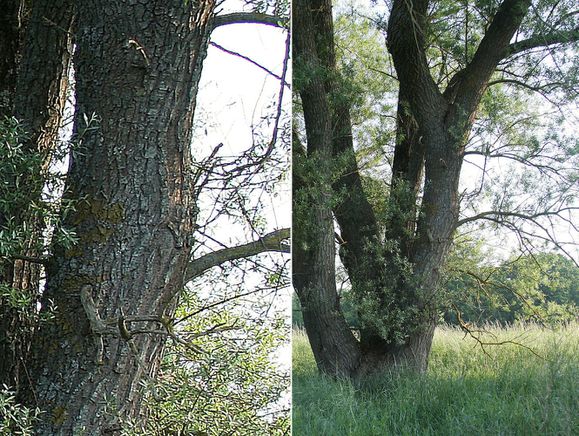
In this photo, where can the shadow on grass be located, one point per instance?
(508, 392)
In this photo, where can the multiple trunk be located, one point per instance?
(432, 130)
(138, 66)
(137, 70)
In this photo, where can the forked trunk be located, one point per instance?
(399, 307)
(411, 355)
(137, 70)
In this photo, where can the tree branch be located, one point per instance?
(248, 59)
(40, 260)
(497, 214)
(560, 37)
(270, 242)
(466, 86)
(249, 18)
(406, 43)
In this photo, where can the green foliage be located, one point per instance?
(506, 390)
(297, 317)
(20, 186)
(25, 204)
(454, 31)
(15, 419)
(543, 288)
(279, 8)
(29, 205)
(225, 380)
(387, 305)
(367, 86)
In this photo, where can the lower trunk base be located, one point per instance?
(379, 356)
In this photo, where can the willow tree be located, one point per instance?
(445, 60)
(110, 299)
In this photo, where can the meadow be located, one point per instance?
(501, 390)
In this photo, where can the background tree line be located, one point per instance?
(543, 288)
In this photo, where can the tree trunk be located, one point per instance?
(40, 53)
(10, 34)
(398, 309)
(335, 349)
(334, 346)
(9, 42)
(137, 71)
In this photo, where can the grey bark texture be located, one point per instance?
(138, 66)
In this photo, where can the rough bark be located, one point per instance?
(37, 91)
(431, 134)
(334, 346)
(138, 66)
(248, 17)
(10, 34)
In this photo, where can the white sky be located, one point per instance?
(233, 95)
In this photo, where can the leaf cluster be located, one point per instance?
(234, 386)
(541, 288)
(16, 420)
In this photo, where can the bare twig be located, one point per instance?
(248, 59)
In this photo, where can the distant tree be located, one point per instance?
(464, 75)
(35, 53)
(542, 287)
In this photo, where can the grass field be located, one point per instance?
(510, 391)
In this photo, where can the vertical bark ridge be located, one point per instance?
(38, 85)
(137, 71)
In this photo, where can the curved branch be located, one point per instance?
(271, 242)
(561, 37)
(248, 59)
(249, 18)
(497, 215)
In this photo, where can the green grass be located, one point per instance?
(510, 391)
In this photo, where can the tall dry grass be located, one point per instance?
(527, 388)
